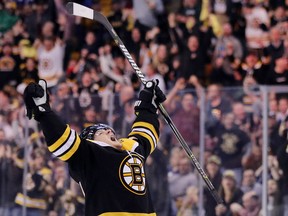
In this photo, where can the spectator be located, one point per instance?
(29, 73)
(253, 67)
(50, 60)
(221, 10)
(157, 175)
(152, 73)
(92, 43)
(251, 204)
(249, 183)
(227, 56)
(217, 106)
(4, 103)
(253, 158)
(188, 16)
(275, 202)
(36, 16)
(279, 74)
(282, 110)
(11, 165)
(128, 117)
(180, 181)
(37, 180)
(282, 157)
(230, 193)
(190, 202)
(226, 39)
(118, 18)
(275, 49)
(8, 19)
(258, 22)
(213, 166)
(124, 94)
(88, 92)
(90, 116)
(147, 13)
(176, 154)
(192, 60)
(231, 145)
(186, 118)
(274, 170)
(242, 119)
(134, 44)
(63, 101)
(279, 19)
(9, 64)
(109, 67)
(162, 63)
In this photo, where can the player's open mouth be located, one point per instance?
(113, 138)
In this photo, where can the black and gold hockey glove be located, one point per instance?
(36, 99)
(149, 97)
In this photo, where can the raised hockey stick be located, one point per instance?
(82, 11)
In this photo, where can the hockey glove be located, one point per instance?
(36, 99)
(149, 97)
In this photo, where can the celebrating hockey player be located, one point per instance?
(110, 170)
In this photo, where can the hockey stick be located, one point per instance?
(82, 11)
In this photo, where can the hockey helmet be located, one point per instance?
(88, 132)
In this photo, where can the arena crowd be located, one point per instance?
(222, 49)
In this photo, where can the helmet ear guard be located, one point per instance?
(89, 132)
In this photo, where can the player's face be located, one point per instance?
(107, 136)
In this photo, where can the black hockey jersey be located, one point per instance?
(113, 181)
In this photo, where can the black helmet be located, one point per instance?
(88, 132)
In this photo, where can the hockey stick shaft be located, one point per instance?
(82, 11)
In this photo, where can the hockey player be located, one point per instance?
(110, 170)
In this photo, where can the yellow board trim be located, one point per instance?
(60, 141)
(69, 154)
(147, 125)
(127, 214)
(147, 136)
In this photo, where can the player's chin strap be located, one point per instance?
(81, 188)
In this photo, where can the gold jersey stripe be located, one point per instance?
(71, 151)
(147, 131)
(66, 145)
(152, 144)
(60, 141)
(127, 214)
(148, 126)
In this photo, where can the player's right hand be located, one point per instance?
(149, 97)
(36, 99)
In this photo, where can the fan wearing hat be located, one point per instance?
(213, 166)
(230, 193)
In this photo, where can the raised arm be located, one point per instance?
(61, 140)
(145, 129)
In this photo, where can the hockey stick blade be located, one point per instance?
(85, 12)
(79, 10)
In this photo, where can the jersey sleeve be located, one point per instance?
(144, 133)
(63, 142)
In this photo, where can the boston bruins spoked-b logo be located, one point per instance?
(131, 174)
